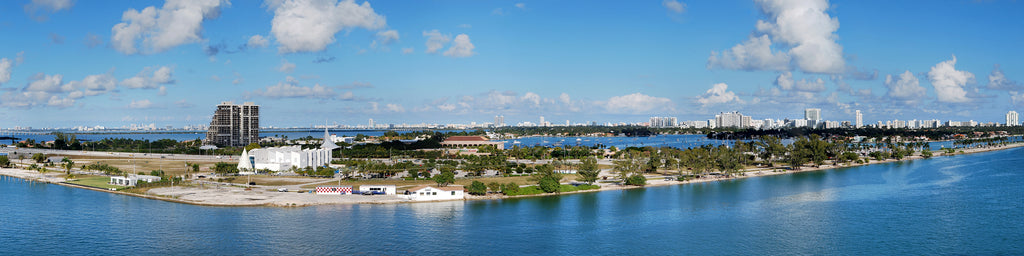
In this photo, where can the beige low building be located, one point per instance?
(471, 142)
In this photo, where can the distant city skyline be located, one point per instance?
(157, 63)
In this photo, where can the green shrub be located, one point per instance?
(636, 180)
(477, 188)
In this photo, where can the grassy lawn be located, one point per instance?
(95, 181)
(124, 162)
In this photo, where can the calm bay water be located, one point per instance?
(971, 204)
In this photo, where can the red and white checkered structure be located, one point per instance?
(334, 190)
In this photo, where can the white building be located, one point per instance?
(1011, 118)
(132, 180)
(663, 122)
(860, 120)
(732, 119)
(283, 158)
(812, 114)
(429, 193)
(378, 189)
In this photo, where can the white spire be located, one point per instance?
(243, 162)
(328, 143)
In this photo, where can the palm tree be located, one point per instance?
(68, 164)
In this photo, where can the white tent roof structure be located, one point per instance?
(244, 163)
(328, 143)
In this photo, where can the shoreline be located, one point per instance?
(232, 196)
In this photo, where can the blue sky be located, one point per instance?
(84, 63)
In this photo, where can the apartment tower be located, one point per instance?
(234, 125)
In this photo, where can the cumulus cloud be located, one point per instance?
(803, 26)
(386, 37)
(949, 83)
(92, 85)
(149, 79)
(286, 67)
(785, 82)
(531, 98)
(448, 107)
(310, 25)
(177, 22)
(396, 108)
(637, 103)
(996, 80)
(257, 41)
(904, 87)
(1017, 98)
(754, 54)
(140, 104)
(461, 47)
(407, 50)
(290, 89)
(436, 40)
(5, 70)
(718, 94)
(45, 83)
(674, 6)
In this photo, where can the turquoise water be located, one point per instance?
(971, 204)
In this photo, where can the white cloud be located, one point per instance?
(754, 54)
(637, 103)
(37, 9)
(147, 80)
(5, 70)
(257, 41)
(949, 82)
(50, 5)
(904, 87)
(177, 22)
(45, 83)
(286, 67)
(532, 98)
(140, 104)
(387, 37)
(564, 98)
(92, 85)
(290, 89)
(521, 5)
(718, 94)
(674, 6)
(804, 26)
(310, 25)
(785, 82)
(162, 91)
(435, 40)
(461, 47)
(1017, 98)
(163, 75)
(394, 108)
(446, 107)
(407, 50)
(996, 80)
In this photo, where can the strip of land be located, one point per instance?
(229, 194)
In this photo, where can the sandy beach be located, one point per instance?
(225, 195)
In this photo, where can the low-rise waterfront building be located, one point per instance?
(132, 180)
(429, 193)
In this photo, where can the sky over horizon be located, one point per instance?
(66, 63)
